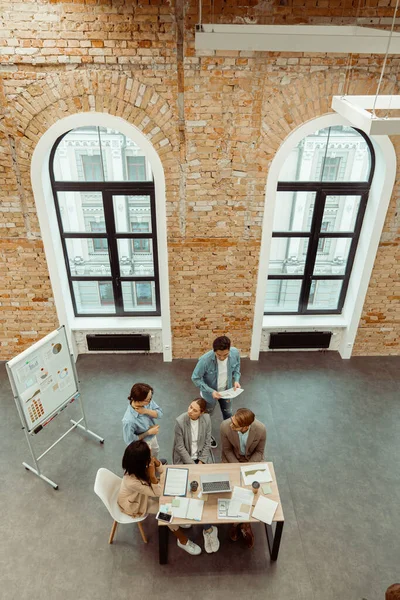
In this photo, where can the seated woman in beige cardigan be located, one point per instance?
(192, 444)
(140, 489)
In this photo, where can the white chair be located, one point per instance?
(107, 486)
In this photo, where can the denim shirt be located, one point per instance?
(133, 424)
(205, 374)
(243, 441)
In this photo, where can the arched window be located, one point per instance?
(321, 199)
(105, 203)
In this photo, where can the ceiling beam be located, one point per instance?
(296, 38)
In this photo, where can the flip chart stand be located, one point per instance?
(81, 424)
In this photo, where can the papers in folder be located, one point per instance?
(240, 503)
(265, 509)
(231, 393)
(255, 472)
(176, 482)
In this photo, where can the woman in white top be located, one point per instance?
(192, 444)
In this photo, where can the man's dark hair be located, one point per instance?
(244, 417)
(221, 343)
(139, 392)
(393, 592)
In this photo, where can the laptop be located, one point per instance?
(215, 483)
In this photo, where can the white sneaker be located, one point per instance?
(190, 547)
(211, 541)
(185, 526)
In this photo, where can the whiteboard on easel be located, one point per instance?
(43, 378)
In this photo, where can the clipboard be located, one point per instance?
(176, 481)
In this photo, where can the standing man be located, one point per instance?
(216, 371)
(243, 440)
(139, 419)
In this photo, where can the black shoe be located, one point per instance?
(213, 442)
(163, 461)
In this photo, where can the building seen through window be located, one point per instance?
(105, 202)
(321, 199)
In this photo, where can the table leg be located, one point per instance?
(274, 540)
(163, 544)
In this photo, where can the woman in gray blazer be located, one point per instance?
(192, 442)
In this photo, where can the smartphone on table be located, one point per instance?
(164, 516)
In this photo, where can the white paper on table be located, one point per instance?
(195, 509)
(262, 473)
(223, 510)
(241, 498)
(189, 508)
(265, 509)
(175, 482)
(231, 393)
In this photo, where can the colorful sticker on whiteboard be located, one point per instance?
(63, 373)
(35, 410)
(46, 383)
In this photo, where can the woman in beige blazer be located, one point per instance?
(140, 489)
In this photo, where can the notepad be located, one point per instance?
(188, 508)
(265, 509)
(175, 482)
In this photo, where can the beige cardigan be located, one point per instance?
(134, 494)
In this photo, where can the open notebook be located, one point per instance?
(187, 508)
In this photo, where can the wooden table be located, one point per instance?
(210, 512)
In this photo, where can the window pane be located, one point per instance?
(288, 256)
(77, 157)
(282, 295)
(99, 154)
(132, 214)
(336, 153)
(348, 156)
(94, 297)
(87, 257)
(293, 211)
(304, 162)
(136, 257)
(81, 211)
(340, 213)
(139, 295)
(136, 166)
(123, 159)
(324, 295)
(332, 256)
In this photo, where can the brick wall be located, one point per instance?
(215, 118)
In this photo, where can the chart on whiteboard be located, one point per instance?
(44, 378)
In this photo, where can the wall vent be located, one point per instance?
(300, 340)
(115, 342)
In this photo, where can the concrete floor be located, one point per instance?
(333, 435)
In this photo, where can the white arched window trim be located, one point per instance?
(374, 218)
(44, 200)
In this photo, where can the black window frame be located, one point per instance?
(108, 189)
(323, 189)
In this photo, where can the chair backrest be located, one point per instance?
(106, 486)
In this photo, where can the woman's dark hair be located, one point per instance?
(136, 459)
(221, 343)
(139, 392)
(202, 403)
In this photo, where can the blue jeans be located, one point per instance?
(225, 406)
